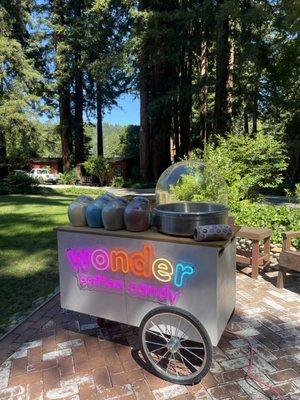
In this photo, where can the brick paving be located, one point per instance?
(65, 355)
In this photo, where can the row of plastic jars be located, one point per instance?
(110, 212)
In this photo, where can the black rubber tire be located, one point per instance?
(197, 324)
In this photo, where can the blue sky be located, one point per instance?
(127, 112)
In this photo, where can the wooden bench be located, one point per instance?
(254, 257)
(288, 259)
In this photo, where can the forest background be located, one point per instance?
(201, 70)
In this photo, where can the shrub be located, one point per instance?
(97, 166)
(289, 194)
(247, 163)
(4, 189)
(117, 181)
(16, 183)
(277, 218)
(297, 192)
(69, 177)
(201, 185)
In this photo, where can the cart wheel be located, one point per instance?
(165, 340)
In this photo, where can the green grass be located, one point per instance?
(72, 191)
(28, 255)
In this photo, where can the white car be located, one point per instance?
(42, 175)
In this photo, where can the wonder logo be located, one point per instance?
(141, 264)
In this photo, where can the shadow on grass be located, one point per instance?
(52, 200)
(28, 236)
(28, 250)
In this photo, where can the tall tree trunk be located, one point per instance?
(222, 63)
(99, 122)
(78, 95)
(3, 155)
(254, 116)
(185, 94)
(65, 125)
(185, 104)
(78, 117)
(230, 86)
(161, 121)
(144, 103)
(255, 107)
(144, 119)
(246, 121)
(176, 129)
(204, 87)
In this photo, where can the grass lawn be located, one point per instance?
(28, 255)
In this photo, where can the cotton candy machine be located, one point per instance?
(178, 291)
(181, 219)
(190, 194)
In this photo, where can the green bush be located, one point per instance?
(247, 163)
(4, 189)
(277, 218)
(16, 183)
(203, 184)
(69, 178)
(117, 181)
(297, 192)
(97, 166)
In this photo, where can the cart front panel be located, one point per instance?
(122, 279)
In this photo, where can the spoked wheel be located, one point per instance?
(175, 345)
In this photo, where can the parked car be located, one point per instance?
(19, 171)
(43, 176)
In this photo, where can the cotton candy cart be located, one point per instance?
(178, 292)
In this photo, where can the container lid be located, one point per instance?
(191, 181)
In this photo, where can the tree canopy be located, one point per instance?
(202, 70)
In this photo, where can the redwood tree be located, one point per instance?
(144, 103)
(222, 70)
(77, 33)
(59, 14)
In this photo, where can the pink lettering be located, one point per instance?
(139, 263)
(80, 259)
(100, 259)
(151, 292)
(173, 297)
(131, 288)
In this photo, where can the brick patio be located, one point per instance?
(59, 355)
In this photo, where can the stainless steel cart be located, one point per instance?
(180, 293)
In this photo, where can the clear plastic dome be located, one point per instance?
(191, 181)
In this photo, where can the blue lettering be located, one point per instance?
(182, 271)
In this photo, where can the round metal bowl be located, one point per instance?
(181, 219)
